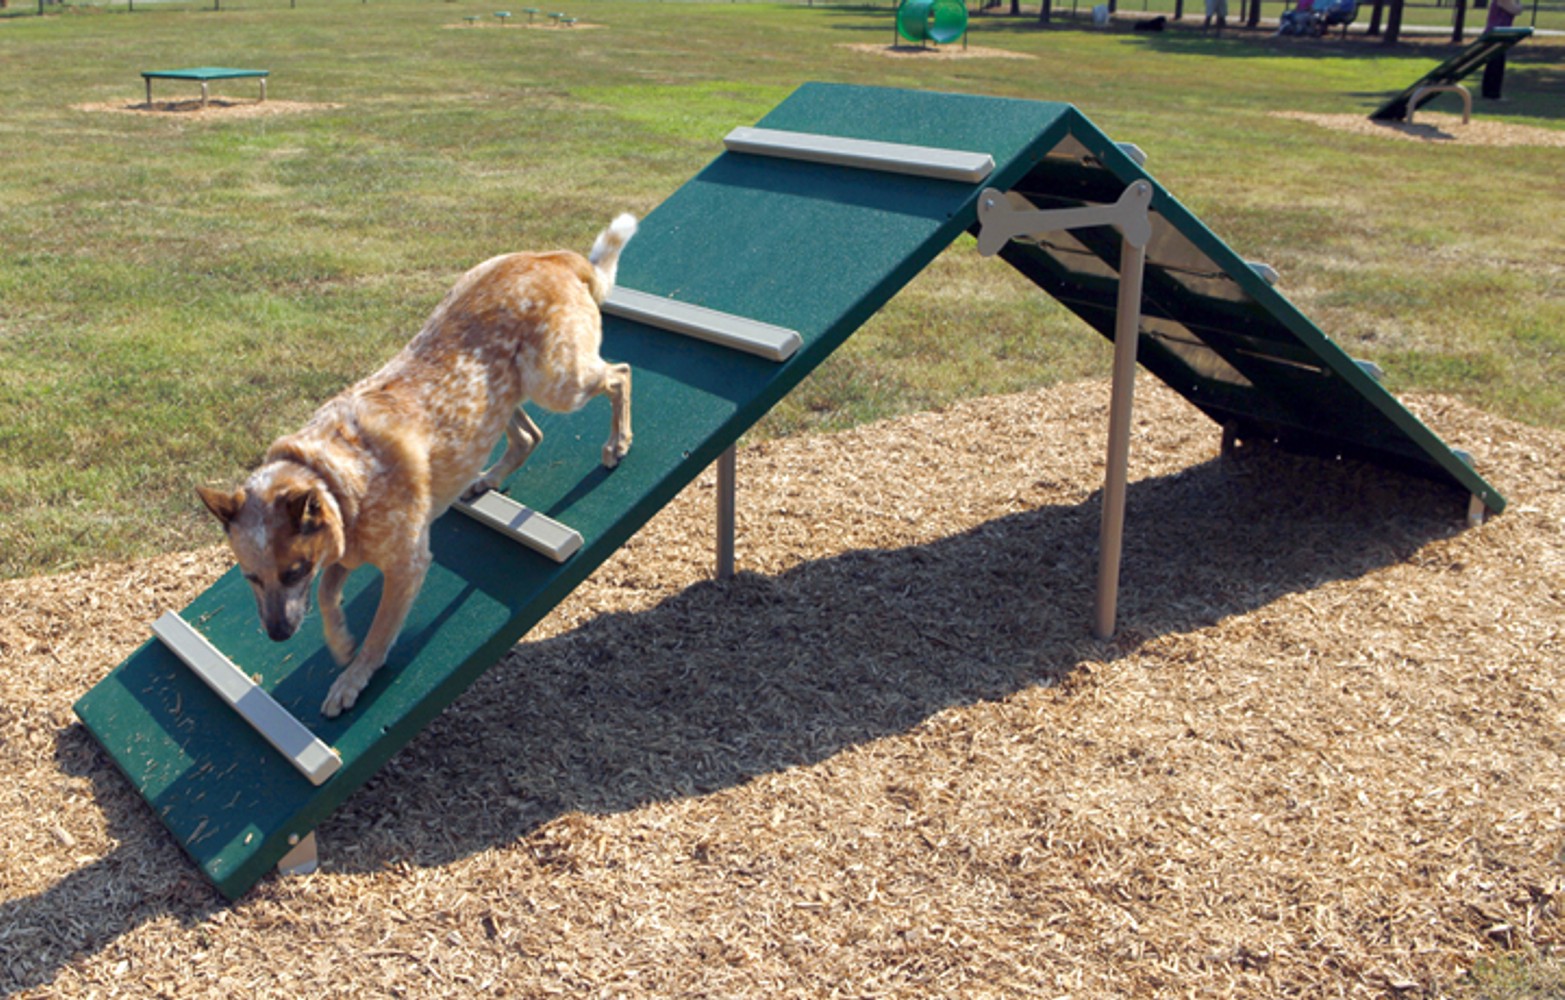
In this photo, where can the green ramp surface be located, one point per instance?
(815, 247)
(1455, 69)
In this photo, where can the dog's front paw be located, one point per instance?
(615, 450)
(481, 485)
(345, 691)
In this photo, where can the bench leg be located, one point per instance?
(149, 93)
(203, 93)
(263, 89)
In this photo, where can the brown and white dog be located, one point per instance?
(375, 466)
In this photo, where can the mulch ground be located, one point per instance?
(543, 24)
(1437, 127)
(216, 107)
(1321, 758)
(935, 53)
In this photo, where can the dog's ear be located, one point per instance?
(304, 511)
(310, 514)
(223, 505)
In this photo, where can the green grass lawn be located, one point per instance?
(175, 293)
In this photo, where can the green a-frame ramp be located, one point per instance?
(1447, 76)
(815, 247)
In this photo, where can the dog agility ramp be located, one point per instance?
(811, 246)
(1448, 74)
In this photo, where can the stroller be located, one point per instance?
(1313, 18)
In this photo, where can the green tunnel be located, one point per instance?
(938, 21)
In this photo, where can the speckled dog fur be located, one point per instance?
(375, 466)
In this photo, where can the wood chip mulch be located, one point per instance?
(216, 107)
(935, 53)
(1437, 127)
(540, 25)
(1321, 759)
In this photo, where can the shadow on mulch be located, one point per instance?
(725, 682)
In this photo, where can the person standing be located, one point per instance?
(1502, 13)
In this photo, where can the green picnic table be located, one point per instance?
(203, 75)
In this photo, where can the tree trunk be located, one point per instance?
(1393, 23)
(1045, 11)
(1459, 21)
(1255, 14)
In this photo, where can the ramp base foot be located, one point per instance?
(303, 859)
(1476, 510)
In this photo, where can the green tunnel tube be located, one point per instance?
(938, 21)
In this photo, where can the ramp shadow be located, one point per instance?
(728, 681)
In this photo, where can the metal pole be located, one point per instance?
(1001, 218)
(1127, 332)
(726, 477)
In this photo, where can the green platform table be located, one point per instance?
(203, 75)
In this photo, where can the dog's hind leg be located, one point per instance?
(521, 437)
(571, 391)
(616, 383)
(399, 587)
(571, 371)
(338, 639)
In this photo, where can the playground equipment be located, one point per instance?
(848, 192)
(203, 75)
(938, 21)
(1447, 77)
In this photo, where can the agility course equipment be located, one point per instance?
(203, 75)
(1448, 76)
(938, 21)
(848, 193)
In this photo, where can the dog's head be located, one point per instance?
(283, 525)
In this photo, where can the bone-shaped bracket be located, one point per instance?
(1003, 216)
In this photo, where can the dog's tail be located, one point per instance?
(605, 254)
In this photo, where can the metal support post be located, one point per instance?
(1127, 333)
(726, 476)
(1004, 216)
